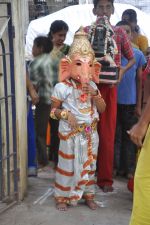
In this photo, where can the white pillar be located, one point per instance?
(18, 11)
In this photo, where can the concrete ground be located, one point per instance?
(38, 208)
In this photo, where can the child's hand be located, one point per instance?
(72, 121)
(34, 96)
(137, 133)
(121, 73)
(88, 89)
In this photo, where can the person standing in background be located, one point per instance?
(129, 92)
(107, 123)
(57, 34)
(140, 135)
(42, 76)
(138, 39)
(146, 79)
(32, 99)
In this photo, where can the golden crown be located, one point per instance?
(81, 45)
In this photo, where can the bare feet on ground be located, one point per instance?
(91, 204)
(61, 206)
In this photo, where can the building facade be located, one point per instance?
(39, 8)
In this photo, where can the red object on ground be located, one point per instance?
(130, 184)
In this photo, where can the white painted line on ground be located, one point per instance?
(43, 198)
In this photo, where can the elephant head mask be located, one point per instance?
(80, 64)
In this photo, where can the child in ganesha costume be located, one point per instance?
(76, 102)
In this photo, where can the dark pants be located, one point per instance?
(125, 150)
(42, 113)
(54, 145)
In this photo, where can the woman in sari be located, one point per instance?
(140, 135)
(57, 34)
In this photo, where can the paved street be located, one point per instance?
(38, 208)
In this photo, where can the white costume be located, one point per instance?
(75, 174)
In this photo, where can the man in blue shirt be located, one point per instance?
(128, 109)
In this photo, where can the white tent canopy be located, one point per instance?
(76, 16)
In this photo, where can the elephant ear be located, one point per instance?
(96, 72)
(64, 69)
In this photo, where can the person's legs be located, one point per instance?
(64, 181)
(89, 193)
(118, 141)
(42, 112)
(54, 145)
(75, 173)
(106, 130)
(121, 162)
(128, 147)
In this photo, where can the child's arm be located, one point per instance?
(147, 69)
(32, 92)
(99, 102)
(96, 97)
(126, 51)
(139, 91)
(35, 74)
(58, 113)
(139, 130)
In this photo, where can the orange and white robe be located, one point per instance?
(75, 174)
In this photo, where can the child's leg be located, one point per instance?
(42, 112)
(129, 119)
(54, 146)
(64, 174)
(89, 193)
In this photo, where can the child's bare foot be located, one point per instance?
(61, 206)
(91, 204)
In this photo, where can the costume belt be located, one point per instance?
(82, 128)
